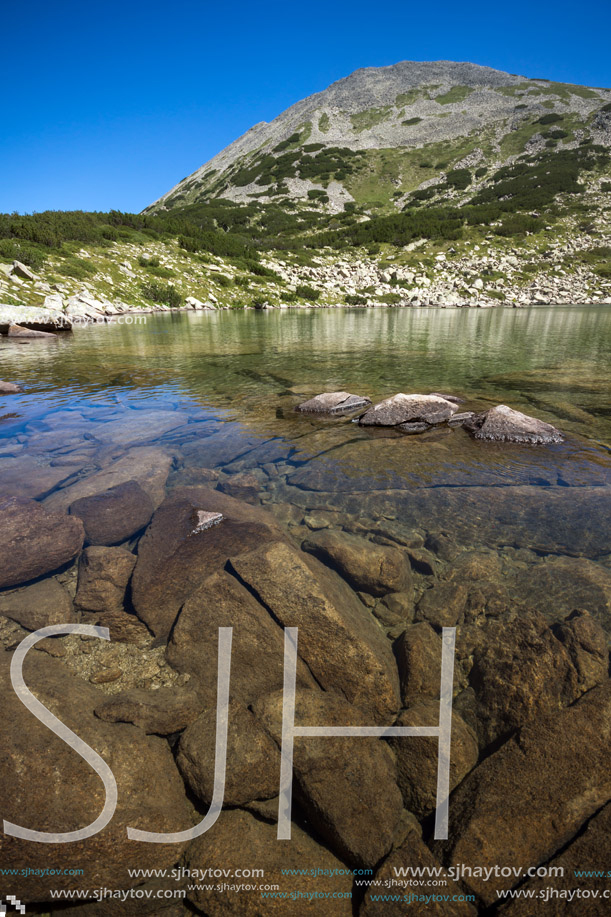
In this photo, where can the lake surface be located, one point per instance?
(233, 379)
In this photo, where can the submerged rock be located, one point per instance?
(253, 758)
(417, 756)
(413, 854)
(173, 562)
(368, 567)
(346, 786)
(339, 640)
(43, 603)
(34, 542)
(526, 801)
(48, 787)
(409, 409)
(333, 403)
(115, 515)
(238, 838)
(160, 712)
(103, 577)
(503, 424)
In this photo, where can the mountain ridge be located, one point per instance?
(408, 106)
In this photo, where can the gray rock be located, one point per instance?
(9, 388)
(333, 403)
(409, 409)
(33, 317)
(22, 271)
(503, 424)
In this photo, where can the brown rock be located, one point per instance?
(33, 541)
(586, 644)
(418, 652)
(160, 712)
(414, 854)
(124, 627)
(114, 516)
(48, 787)
(519, 670)
(366, 566)
(173, 561)
(239, 838)
(417, 756)
(525, 802)
(38, 605)
(103, 577)
(443, 606)
(346, 786)
(257, 649)
(587, 852)
(395, 608)
(338, 639)
(244, 486)
(105, 676)
(253, 759)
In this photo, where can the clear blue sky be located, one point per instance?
(107, 105)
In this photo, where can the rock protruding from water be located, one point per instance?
(34, 542)
(333, 403)
(409, 409)
(9, 388)
(504, 425)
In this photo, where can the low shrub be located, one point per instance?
(355, 299)
(305, 292)
(165, 294)
(552, 118)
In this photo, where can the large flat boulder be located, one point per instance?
(34, 542)
(33, 317)
(175, 556)
(409, 409)
(339, 640)
(48, 787)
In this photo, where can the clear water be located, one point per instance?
(238, 376)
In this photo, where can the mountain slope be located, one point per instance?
(381, 133)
